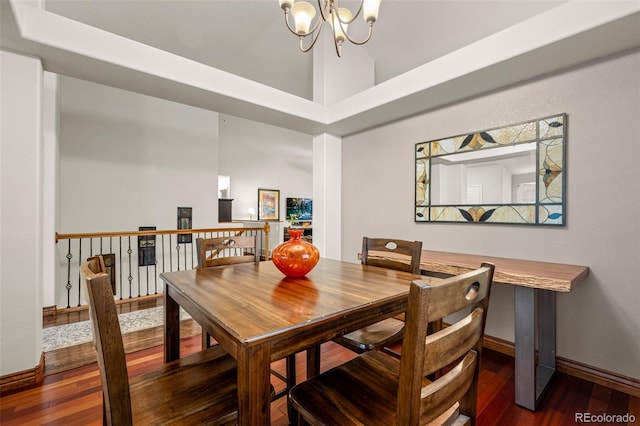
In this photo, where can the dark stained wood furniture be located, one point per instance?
(536, 284)
(232, 250)
(406, 257)
(378, 389)
(227, 250)
(259, 316)
(198, 389)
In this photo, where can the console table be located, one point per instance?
(535, 303)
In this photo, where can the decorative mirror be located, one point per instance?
(512, 174)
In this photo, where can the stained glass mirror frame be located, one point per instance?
(549, 134)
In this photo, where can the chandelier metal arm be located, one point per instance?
(363, 41)
(323, 12)
(336, 5)
(313, 40)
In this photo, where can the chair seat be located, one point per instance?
(205, 381)
(373, 376)
(378, 335)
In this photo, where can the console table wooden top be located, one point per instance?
(527, 273)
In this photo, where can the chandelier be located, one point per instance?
(337, 17)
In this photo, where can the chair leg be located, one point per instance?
(206, 340)
(291, 382)
(104, 411)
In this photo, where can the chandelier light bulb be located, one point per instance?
(303, 14)
(370, 10)
(340, 23)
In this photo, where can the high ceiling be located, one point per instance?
(249, 38)
(237, 57)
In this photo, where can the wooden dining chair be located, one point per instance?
(376, 388)
(228, 250)
(387, 253)
(198, 389)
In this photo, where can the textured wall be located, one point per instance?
(599, 322)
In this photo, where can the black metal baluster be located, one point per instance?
(120, 262)
(155, 276)
(79, 263)
(147, 268)
(162, 238)
(178, 253)
(68, 286)
(185, 256)
(170, 257)
(192, 251)
(130, 277)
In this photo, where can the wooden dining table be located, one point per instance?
(259, 316)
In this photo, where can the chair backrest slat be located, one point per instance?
(437, 398)
(400, 255)
(452, 342)
(460, 345)
(227, 250)
(109, 345)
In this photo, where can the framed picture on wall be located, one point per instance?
(184, 222)
(146, 247)
(268, 204)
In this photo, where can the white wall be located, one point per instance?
(21, 213)
(258, 155)
(599, 322)
(144, 156)
(50, 161)
(493, 179)
(129, 160)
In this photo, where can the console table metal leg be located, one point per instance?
(525, 368)
(546, 340)
(534, 307)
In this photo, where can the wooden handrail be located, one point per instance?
(266, 228)
(59, 236)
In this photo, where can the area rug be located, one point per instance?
(63, 336)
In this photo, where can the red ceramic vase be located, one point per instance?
(296, 257)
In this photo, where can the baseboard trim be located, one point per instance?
(49, 311)
(22, 379)
(577, 369)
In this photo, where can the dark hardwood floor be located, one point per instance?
(71, 391)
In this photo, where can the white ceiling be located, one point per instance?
(426, 53)
(249, 38)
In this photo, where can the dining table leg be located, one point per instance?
(254, 385)
(313, 361)
(171, 327)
